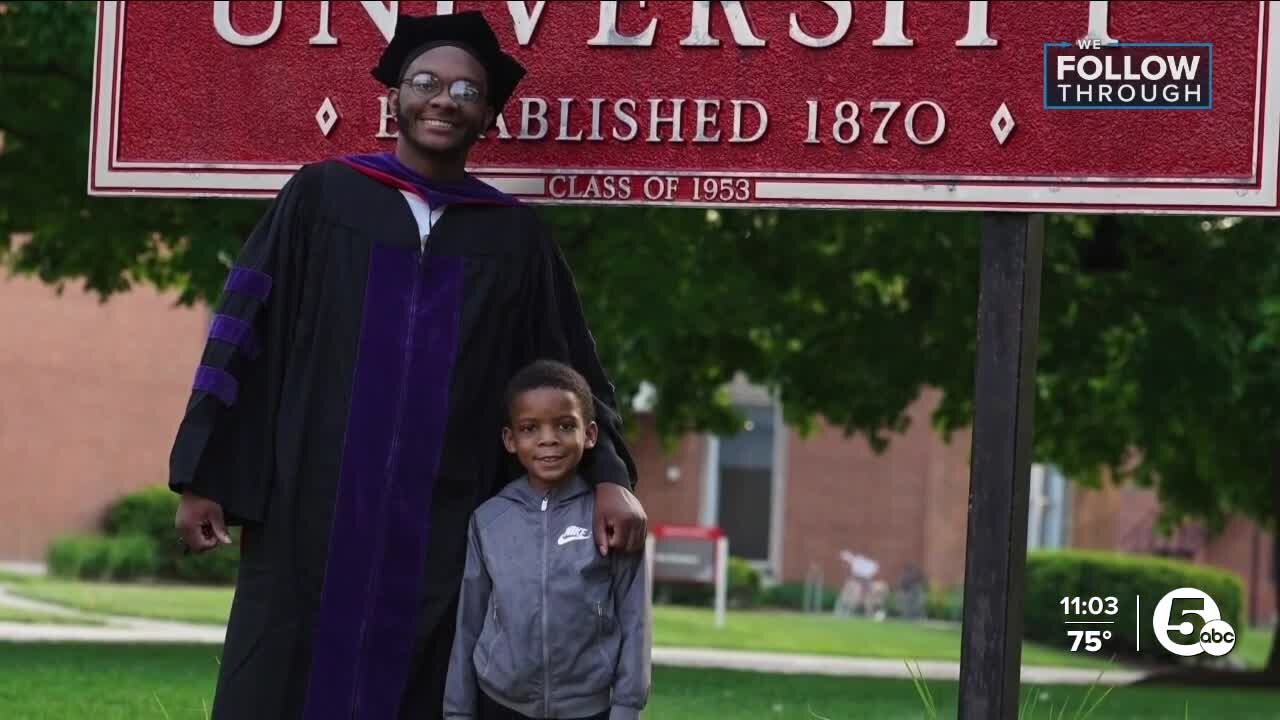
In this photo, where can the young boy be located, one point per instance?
(547, 627)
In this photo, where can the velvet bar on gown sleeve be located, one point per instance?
(223, 450)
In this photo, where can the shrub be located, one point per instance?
(150, 513)
(945, 604)
(790, 596)
(78, 556)
(744, 584)
(1053, 575)
(743, 591)
(94, 557)
(147, 512)
(216, 567)
(670, 593)
(130, 557)
(141, 542)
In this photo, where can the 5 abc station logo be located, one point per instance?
(1216, 636)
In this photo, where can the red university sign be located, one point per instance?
(1121, 106)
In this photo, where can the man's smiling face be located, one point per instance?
(441, 104)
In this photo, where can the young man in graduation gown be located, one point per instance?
(347, 408)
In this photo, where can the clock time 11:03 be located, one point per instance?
(1090, 606)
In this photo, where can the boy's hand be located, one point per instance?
(200, 523)
(620, 521)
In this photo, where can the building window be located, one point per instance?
(744, 492)
(1047, 508)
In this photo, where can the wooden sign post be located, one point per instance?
(996, 548)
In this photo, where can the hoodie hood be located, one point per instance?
(521, 492)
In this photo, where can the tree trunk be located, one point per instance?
(1273, 661)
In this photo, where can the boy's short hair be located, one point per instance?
(551, 374)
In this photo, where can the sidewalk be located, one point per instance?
(135, 630)
(790, 664)
(115, 629)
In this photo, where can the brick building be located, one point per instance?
(90, 395)
(792, 503)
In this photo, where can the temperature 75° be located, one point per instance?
(1092, 639)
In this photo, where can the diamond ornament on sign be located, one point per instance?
(1002, 123)
(326, 117)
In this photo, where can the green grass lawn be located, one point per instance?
(1253, 647)
(826, 635)
(194, 604)
(12, 615)
(673, 626)
(122, 682)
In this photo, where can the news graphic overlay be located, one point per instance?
(1090, 75)
(1174, 630)
(1090, 630)
(1185, 622)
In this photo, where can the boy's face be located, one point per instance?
(548, 435)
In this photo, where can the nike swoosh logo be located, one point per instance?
(572, 533)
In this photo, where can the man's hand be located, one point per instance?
(200, 523)
(620, 520)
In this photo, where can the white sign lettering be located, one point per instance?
(844, 19)
(700, 33)
(228, 32)
(609, 35)
(525, 22)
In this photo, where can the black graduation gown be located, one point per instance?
(347, 413)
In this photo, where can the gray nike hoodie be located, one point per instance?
(546, 626)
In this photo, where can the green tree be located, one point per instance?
(46, 74)
(1157, 333)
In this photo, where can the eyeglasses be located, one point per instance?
(427, 85)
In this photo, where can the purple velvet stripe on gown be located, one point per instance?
(249, 282)
(217, 382)
(234, 331)
(365, 628)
